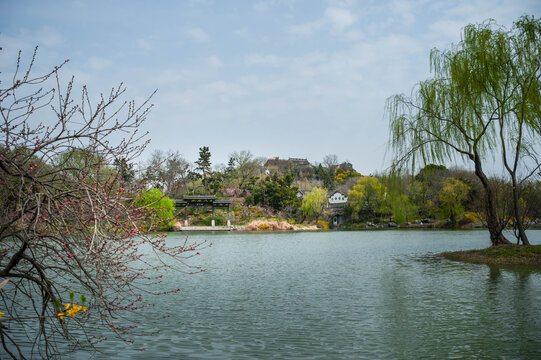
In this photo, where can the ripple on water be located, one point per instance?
(344, 295)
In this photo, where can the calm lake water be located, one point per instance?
(343, 295)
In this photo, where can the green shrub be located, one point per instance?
(159, 209)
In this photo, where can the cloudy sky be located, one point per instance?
(287, 78)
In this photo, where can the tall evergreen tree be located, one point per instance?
(203, 165)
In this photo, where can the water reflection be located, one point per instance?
(494, 275)
(434, 308)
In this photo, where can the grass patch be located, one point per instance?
(501, 255)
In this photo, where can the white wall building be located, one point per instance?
(338, 198)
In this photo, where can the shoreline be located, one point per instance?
(283, 226)
(510, 255)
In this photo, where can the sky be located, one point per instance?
(286, 78)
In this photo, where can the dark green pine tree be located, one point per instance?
(203, 165)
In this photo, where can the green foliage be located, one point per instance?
(124, 169)
(206, 220)
(215, 182)
(203, 166)
(230, 165)
(485, 94)
(203, 163)
(314, 203)
(160, 209)
(243, 167)
(429, 181)
(501, 255)
(368, 198)
(431, 172)
(83, 163)
(326, 175)
(513, 251)
(403, 209)
(276, 192)
(452, 196)
(457, 111)
(531, 200)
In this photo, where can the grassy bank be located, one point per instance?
(502, 255)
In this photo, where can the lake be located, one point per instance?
(342, 295)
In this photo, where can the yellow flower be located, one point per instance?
(71, 310)
(75, 309)
(1, 313)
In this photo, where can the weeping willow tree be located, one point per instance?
(519, 103)
(484, 97)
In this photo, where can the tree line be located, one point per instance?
(450, 196)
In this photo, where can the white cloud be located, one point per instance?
(334, 18)
(342, 3)
(457, 14)
(197, 34)
(268, 4)
(475, 8)
(275, 87)
(260, 59)
(449, 30)
(476, 11)
(340, 18)
(49, 37)
(306, 29)
(97, 63)
(345, 89)
(214, 62)
(405, 10)
(354, 35)
(177, 76)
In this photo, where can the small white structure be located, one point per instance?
(336, 207)
(338, 198)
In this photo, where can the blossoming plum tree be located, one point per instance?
(68, 221)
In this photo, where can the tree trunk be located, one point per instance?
(518, 219)
(494, 227)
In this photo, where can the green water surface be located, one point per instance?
(342, 295)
